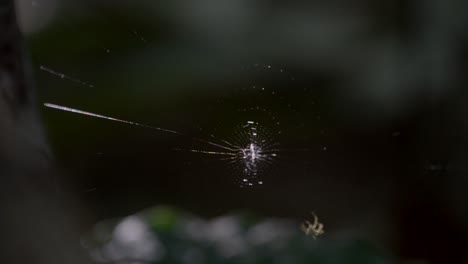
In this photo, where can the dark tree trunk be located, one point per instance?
(33, 226)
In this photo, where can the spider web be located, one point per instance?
(250, 151)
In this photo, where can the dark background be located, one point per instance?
(373, 90)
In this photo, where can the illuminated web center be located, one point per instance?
(251, 153)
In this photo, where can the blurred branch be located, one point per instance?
(33, 226)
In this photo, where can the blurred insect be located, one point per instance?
(314, 229)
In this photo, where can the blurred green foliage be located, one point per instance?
(173, 236)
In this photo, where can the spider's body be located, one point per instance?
(314, 229)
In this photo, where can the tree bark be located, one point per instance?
(33, 224)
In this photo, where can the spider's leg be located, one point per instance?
(321, 231)
(306, 227)
(320, 228)
(315, 219)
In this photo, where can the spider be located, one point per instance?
(315, 229)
